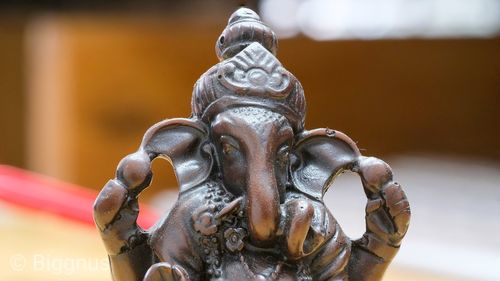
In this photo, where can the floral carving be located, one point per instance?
(204, 220)
(234, 239)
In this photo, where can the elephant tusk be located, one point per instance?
(231, 208)
(302, 214)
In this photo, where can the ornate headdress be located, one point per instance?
(249, 73)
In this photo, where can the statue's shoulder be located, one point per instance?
(179, 220)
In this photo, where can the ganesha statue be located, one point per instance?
(251, 183)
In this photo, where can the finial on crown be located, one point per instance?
(244, 28)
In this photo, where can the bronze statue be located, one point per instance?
(251, 182)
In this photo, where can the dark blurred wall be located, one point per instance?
(12, 90)
(404, 96)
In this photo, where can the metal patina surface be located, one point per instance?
(251, 182)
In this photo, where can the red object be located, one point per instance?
(44, 194)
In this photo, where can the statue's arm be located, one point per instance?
(115, 214)
(332, 259)
(116, 209)
(387, 220)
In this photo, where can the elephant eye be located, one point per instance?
(228, 148)
(229, 145)
(283, 154)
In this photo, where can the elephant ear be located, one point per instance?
(321, 155)
(184, 143)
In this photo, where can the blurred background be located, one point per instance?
(416, 83)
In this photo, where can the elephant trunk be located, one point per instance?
(263, 203)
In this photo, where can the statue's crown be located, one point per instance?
(249, 73)
(244, 28)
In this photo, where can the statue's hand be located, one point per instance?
(388, 209)
(115, 214)
(388, 216)
(116, 208)
(165, 271)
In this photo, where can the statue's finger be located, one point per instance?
(122, 232)
(379, 223)
(402, 221)
(108, 203)
(135, 171)
(397, 208)
(373, 205)
(374, 172)
(393, 193)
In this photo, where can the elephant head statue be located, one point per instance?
(251, 182)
